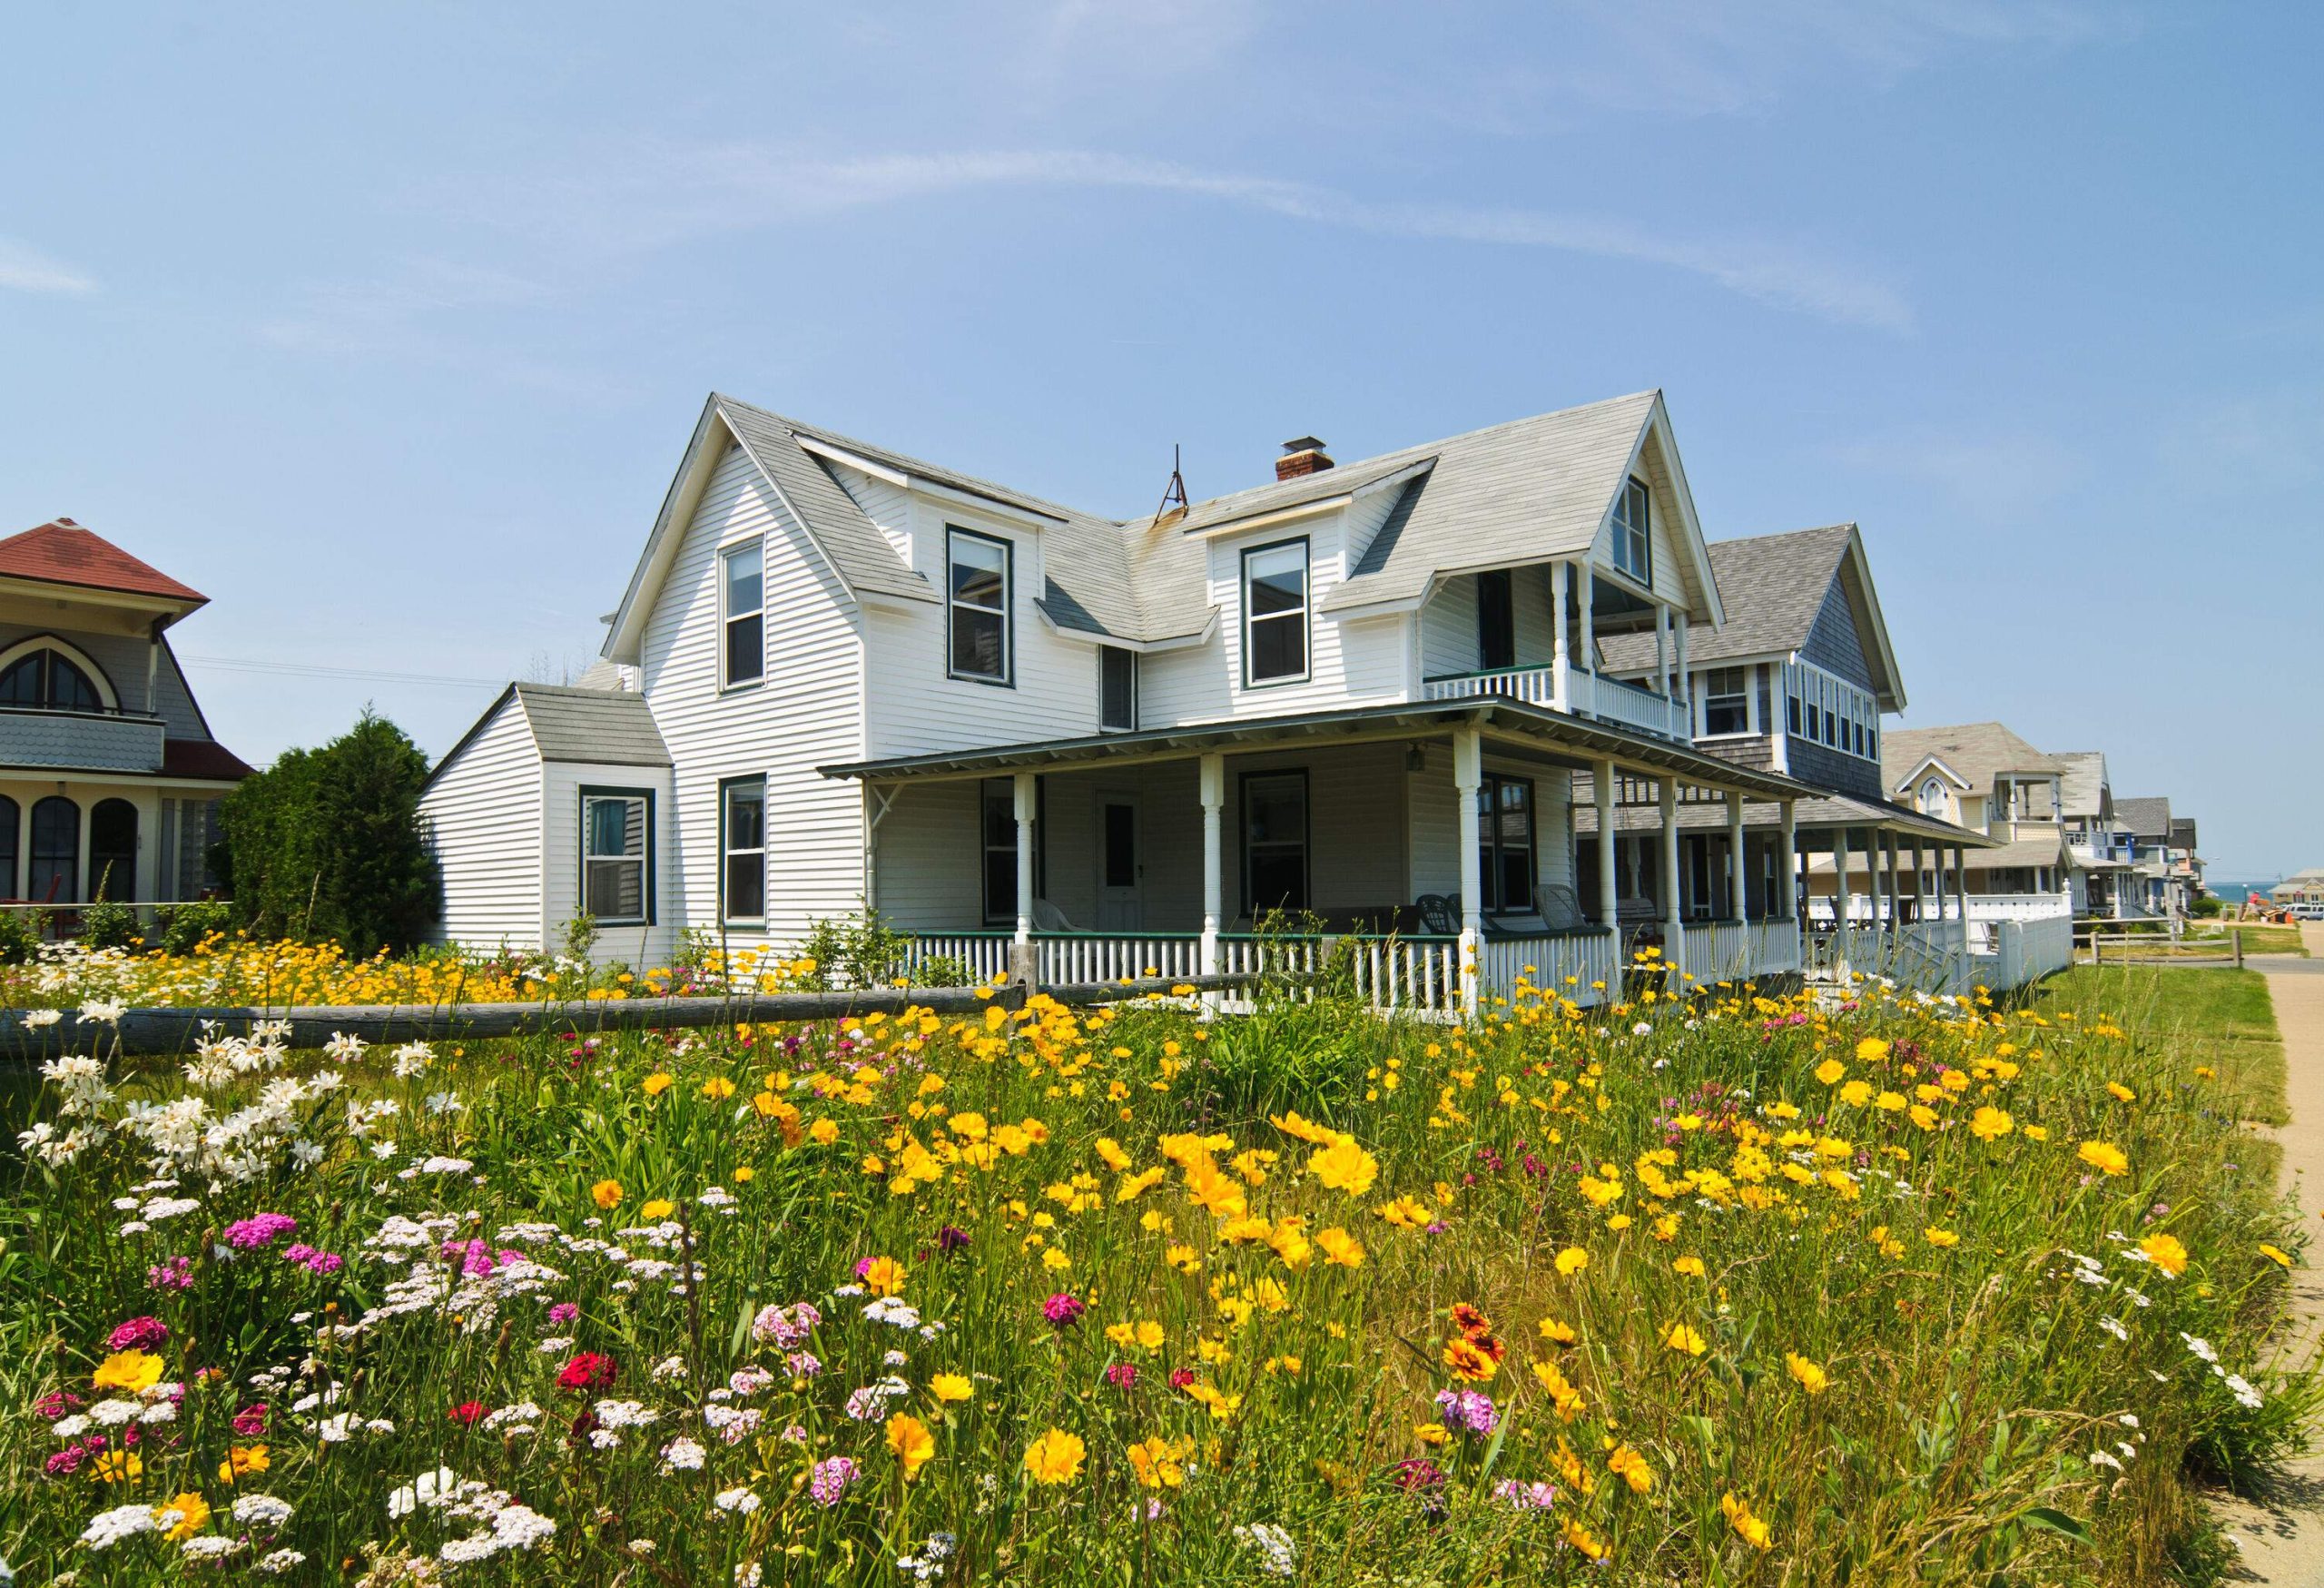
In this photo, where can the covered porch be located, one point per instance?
(1439, 853)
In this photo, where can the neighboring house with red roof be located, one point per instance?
(109, 776)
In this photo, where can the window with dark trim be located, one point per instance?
(1274, 612)
(1633, 537)
(1505, 842)
(1117, 688)
(1727, 701)
(1274, 842)
(617, 855)
(51, 679)
(741, 604)
(11, 823)
(742, 849)
(1496, 620)
(996, 830)
(54, 876)
(977, 578)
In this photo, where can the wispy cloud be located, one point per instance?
(1995, 476)
(25, 270)
(676, 194)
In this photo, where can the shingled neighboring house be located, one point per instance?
(2165, 877)
(1983, 777)
(109, 776)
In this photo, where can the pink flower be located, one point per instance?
(139, 1333)
(250, 1419)
(1063, 1308)
(1122, 1375)
(260, 1230)
(563, 1312)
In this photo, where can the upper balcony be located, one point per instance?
(81, 741)
(1564, 687)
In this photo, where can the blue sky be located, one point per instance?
(385, 325)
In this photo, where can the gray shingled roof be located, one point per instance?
(1773, 587)
(607, 726)
(2082, 791)
(2149, 818)
(1524, 491)
(1979, 752)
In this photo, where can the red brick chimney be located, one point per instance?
(1301, 455)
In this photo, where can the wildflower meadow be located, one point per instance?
(1702, 1286)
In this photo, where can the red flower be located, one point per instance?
(587, 1370)
(467, 1412)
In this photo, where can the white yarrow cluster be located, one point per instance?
(1277, 1555)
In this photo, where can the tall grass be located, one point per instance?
(1754, 1291)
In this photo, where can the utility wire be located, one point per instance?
(318, 670)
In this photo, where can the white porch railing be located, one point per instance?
(1582, 966)
(1103, 957)
(1590, 693)
(2019, 906)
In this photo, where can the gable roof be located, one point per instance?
(2149, 817)
(1977, 751)
(1774, 588)
(1528, 490)
(612, 728)
(64, 553)
(2083, 791)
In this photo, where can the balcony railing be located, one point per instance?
(79, 740)
(1586, 693)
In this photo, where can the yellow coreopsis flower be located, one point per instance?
(2104, 1157)
(2275, 1255)
(117, 1466)
(1872, 1050)
(2122, 1094)
(913, 1444)
(1830, 1071)
(1940, 1237)
(1467, 1361)
(1571, 1261)
(1689, 1266)
(717, 1089)
(882, 1276)
(1339, 1247)
(192, 1513)
(1747, 1527)
(949, 1388)
(1683, 1338)
(1344, 1167)
(660, 1081)
(134, 1371)
(1631, 1467)
(606, 1194)
(2166, 1253)
(1990, 1124)
(1055, 1457)
(659, 1207)
(1811, 1377)
(1559, 1333)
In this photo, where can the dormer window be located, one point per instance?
(1933, 798)
(976, 598)
(1274, 612)
(1633, 547)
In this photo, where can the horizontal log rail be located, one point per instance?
(159, 1031)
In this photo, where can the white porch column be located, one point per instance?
(1467, 778)
(1888, 861)
(1739, 898)
(1790, 866)
(1214, 802)
(1662, 651)
(1602, 780)
(1961, 882)
(1561, 659)
(1674, 924)
(1842, 903)
(1920, 885)
(1588, 660)
(1683, 679)
(1027, 804)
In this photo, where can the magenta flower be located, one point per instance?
(1122, 1375)
(563, 1312)
(139, 1333)
(1062, 1310)
(830, 1479)
(171, 1274)
(259, 1230)
(250, 1420)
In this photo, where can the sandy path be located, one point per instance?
(2283, 1540)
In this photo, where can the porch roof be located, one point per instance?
(1585, 742)
(1828, 812)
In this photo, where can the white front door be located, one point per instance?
(1120, 866)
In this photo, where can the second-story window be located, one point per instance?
(1496, 620)
(1727, 701)
(1633, 543)
(46, 678)
(1117, 688)
(1274, 612)
(977, 600)
(742, 609)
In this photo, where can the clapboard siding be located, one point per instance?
(562, 782)
(123, 658)
(808, 711)
(481, 817)
(1451, 642)
(885, 503)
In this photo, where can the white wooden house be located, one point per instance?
(846, 677)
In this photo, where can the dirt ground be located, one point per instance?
(2283, 1537)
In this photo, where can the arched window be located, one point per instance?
(112, 851)
(11, 823)
(49, 678)
(54, 877)
(1933, 798)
